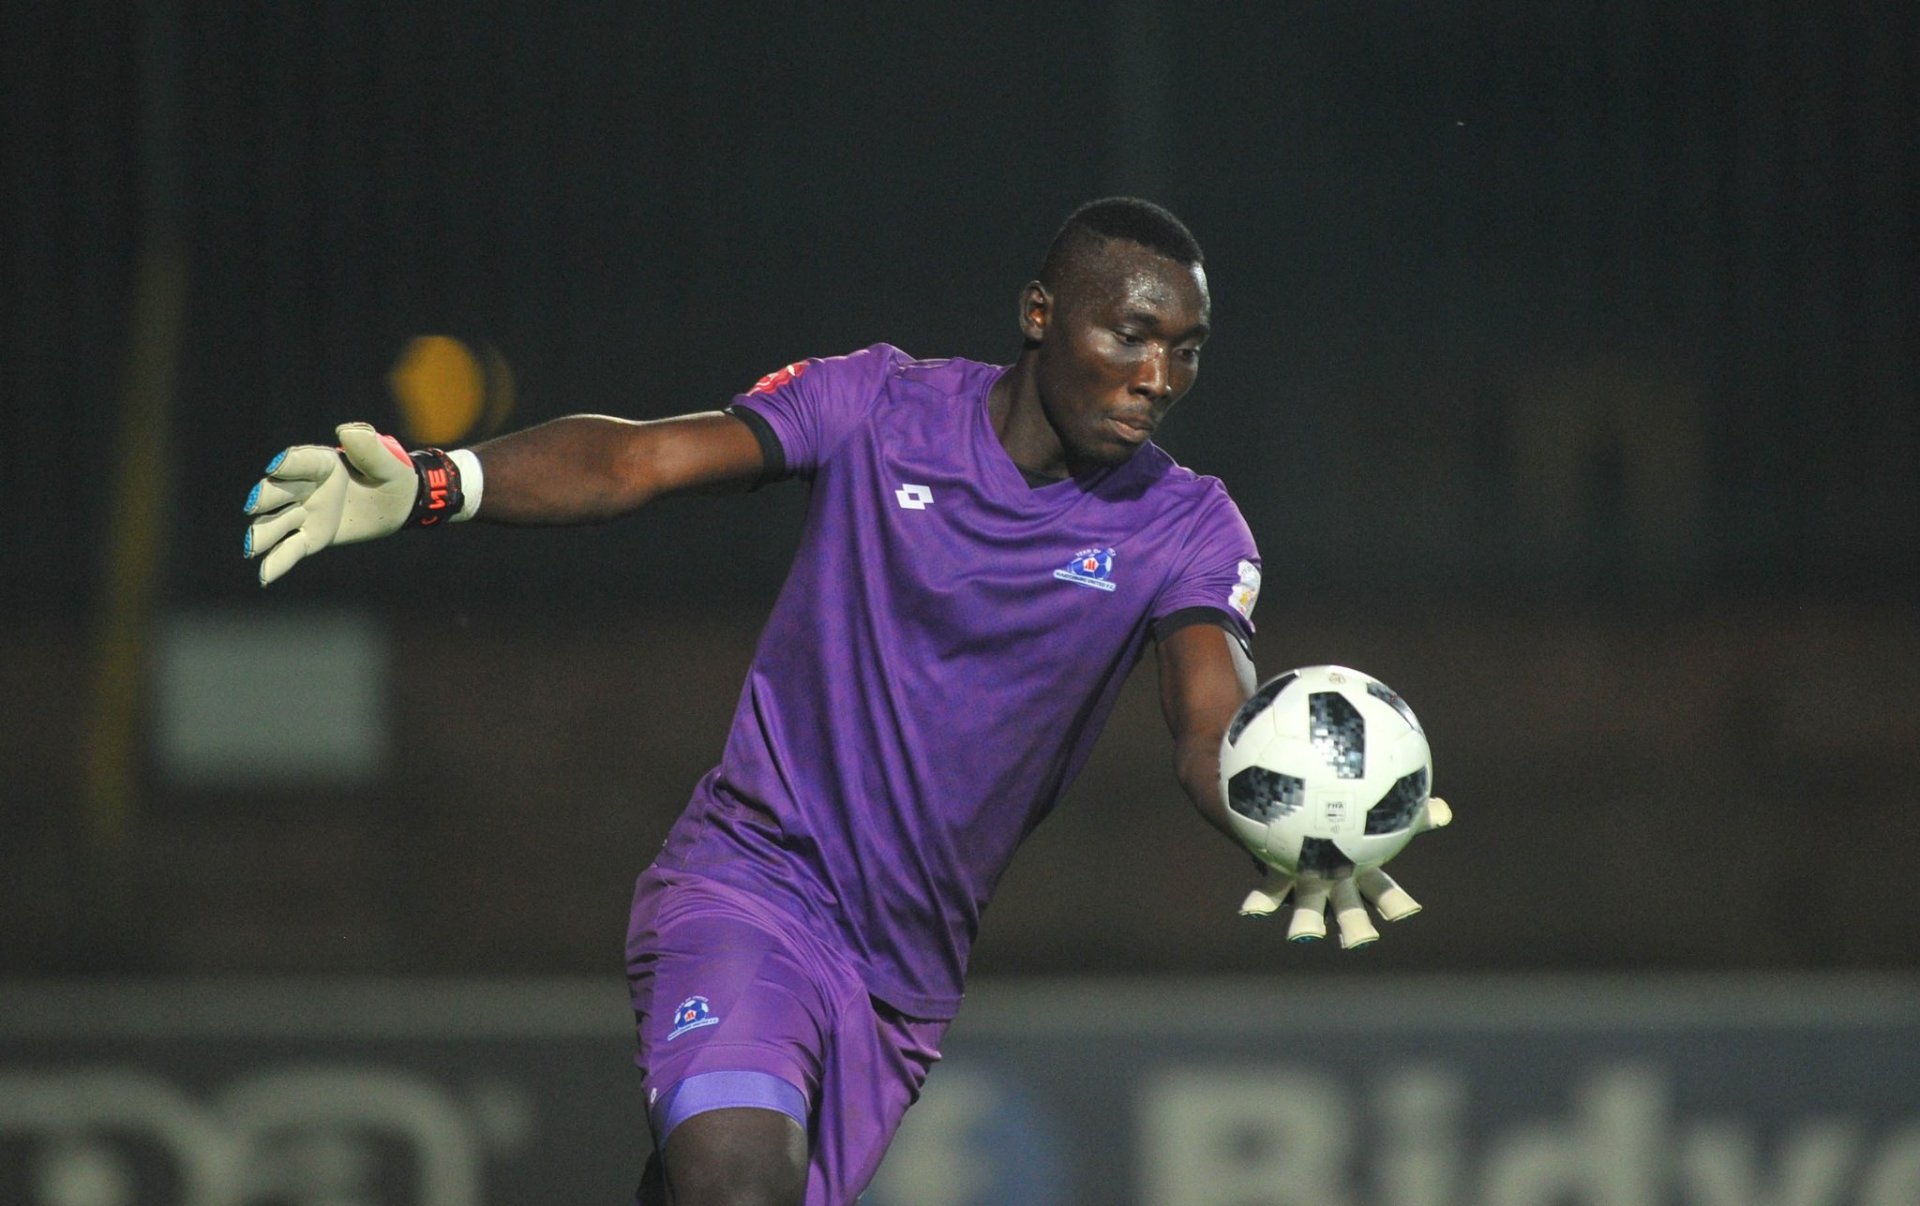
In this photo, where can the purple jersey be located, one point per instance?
(946, 648)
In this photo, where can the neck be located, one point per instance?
(1020, 422)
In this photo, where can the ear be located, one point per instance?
(1036, 311)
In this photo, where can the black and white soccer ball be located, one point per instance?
(1326, 771)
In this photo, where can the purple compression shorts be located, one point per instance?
(738, 1004)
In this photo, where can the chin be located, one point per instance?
(1107, 455)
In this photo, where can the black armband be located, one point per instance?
(773, 458)
(438, 498)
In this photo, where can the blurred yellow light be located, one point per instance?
(439, 387)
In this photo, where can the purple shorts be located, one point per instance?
(738, 1004)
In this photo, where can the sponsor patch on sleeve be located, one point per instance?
(778, 378)
(1246, 592)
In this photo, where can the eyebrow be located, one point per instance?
(1199, 330)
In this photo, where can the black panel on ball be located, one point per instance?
(1262, 795)
(1257, 703)
(1319, 856)
(1400, 805)
(1339, 734)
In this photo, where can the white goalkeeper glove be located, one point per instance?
(314, 496)
(1311, 895)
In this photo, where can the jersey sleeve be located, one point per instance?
(1219, 579)
(808, 408)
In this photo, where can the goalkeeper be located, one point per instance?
(988, 551)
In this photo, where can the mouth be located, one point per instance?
(1131, 429)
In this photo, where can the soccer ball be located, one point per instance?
(1325, 771)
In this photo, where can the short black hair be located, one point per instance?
(1131, 218)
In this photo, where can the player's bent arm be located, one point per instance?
(590, 468)
(1204, 678)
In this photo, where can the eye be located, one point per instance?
(1188, 355)
(1132, 339)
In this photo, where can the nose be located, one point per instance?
(1153, 379)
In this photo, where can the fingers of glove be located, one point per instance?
(1264, 902)
(303, 463)
(1436, 815)
(269, 530)
(1388, 897)
(270, 494)
(1309, 913)
(378, 457)
(1356, 928)
(283, 557)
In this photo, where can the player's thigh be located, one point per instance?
(726, 1015)
(736, 1157)
(878, 1062)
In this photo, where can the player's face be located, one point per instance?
(1119, 344)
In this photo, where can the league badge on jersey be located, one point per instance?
(1089, 567)
(694, 1012)
(1246, 592)
(778, 378)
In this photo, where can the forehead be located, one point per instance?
(1121, 274)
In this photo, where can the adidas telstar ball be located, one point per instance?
(1325, 770)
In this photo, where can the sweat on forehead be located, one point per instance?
(1119, 271)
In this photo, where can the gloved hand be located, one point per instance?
(1311, 894)
(314, 496)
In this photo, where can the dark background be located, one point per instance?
(1565, 368)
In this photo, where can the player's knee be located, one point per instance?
(737, 1157)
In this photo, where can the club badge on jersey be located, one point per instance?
(1089, 567)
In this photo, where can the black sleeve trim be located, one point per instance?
(1173, 622)
(773, 456)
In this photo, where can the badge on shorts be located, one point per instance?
(694, 1012)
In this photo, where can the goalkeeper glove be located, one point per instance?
(314, 496)
(1311, 895)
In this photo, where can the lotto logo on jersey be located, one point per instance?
(693, 1013)
(778, 378)
(1089, 567)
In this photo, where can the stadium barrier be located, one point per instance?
(1399, 1091)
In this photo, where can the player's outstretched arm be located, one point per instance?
(590, 468)
(1204, 678)
(581, 469)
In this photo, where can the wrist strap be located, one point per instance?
(473, 482)
(438, 497)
